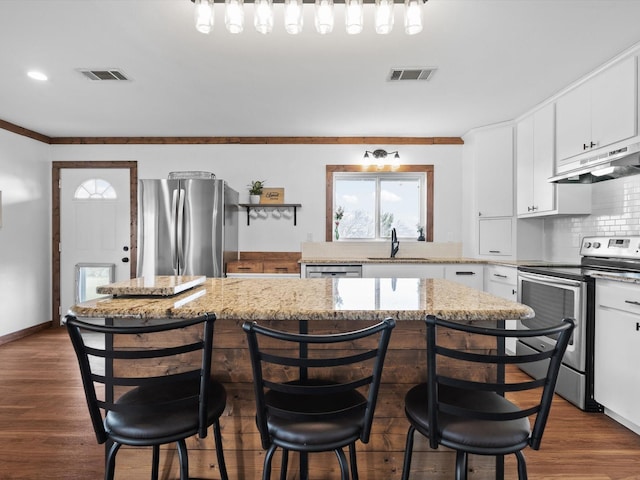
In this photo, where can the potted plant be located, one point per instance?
(255, 190)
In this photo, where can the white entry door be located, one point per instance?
(94, 231)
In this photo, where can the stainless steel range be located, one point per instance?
(559, 291)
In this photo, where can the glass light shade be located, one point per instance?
(353, 16)
(293, 16)
(383, 13)
(234, 15)
(324, 16)
(263, 16)
(204, 15)
(412, 16)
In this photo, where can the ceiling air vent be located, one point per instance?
(106, 74)
(399, 74)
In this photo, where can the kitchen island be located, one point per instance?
(326, 305)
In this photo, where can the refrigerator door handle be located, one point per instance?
(174, 213)
(180, 230)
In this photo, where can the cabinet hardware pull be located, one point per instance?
(499, 275)
(465, 273)
(632, 302)
(514, 291)
(494, 251)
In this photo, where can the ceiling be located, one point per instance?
(495, 59)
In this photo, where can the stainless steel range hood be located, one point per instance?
(606, 166)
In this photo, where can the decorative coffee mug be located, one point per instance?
(253, 213)
(276, 213)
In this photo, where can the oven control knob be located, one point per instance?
(596, 244)
(587, 245)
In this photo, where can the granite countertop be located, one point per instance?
(314, 299)
(161, 285)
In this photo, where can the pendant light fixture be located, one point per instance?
(353, 16)
(324, 15)
(412, 16)
(383, 14)
(204, 15)
(263, 16)
(234, 15)
(293, 20)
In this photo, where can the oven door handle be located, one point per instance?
(548, 280)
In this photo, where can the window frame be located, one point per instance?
(429, 182)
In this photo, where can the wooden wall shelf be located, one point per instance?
(265, 206)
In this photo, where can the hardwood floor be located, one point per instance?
(45, 432)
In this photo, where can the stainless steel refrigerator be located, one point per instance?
(186, 227)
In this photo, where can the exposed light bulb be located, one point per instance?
(353, 16)
(324, 16)
(383, 13)
(263, 16)
(204, 15)
(293, 16)
(412, 16)
(234, 15)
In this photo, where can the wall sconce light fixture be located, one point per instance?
(380, 156)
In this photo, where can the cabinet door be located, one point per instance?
(616, 374)
(494, 167)
(524, 164)
(502, 281)
(573, 117)
(402, 270)
(544, 193)
(495, 236)
(613, 104)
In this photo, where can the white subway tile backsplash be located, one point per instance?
(615, 210)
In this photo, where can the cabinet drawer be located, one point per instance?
(619, 296)
(281, 267)
(244, 267)
(502, 274)
(470, 275)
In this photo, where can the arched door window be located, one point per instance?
(95, 189)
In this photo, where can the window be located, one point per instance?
(369, 202)
(95, 189)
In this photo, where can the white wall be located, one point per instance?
(300, 169)
(25, 235)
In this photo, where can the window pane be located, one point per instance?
(399, 207)
(358, 199)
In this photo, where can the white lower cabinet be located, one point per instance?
(502, 281)
(617, 351)
(402, 270)
(470, 275)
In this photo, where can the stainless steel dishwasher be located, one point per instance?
(327, 271)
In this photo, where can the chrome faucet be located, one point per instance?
(395, 244)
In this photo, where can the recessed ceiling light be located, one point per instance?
(37, 75)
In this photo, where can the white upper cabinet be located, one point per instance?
(535, 156)
(599, 112)
(494, 172)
